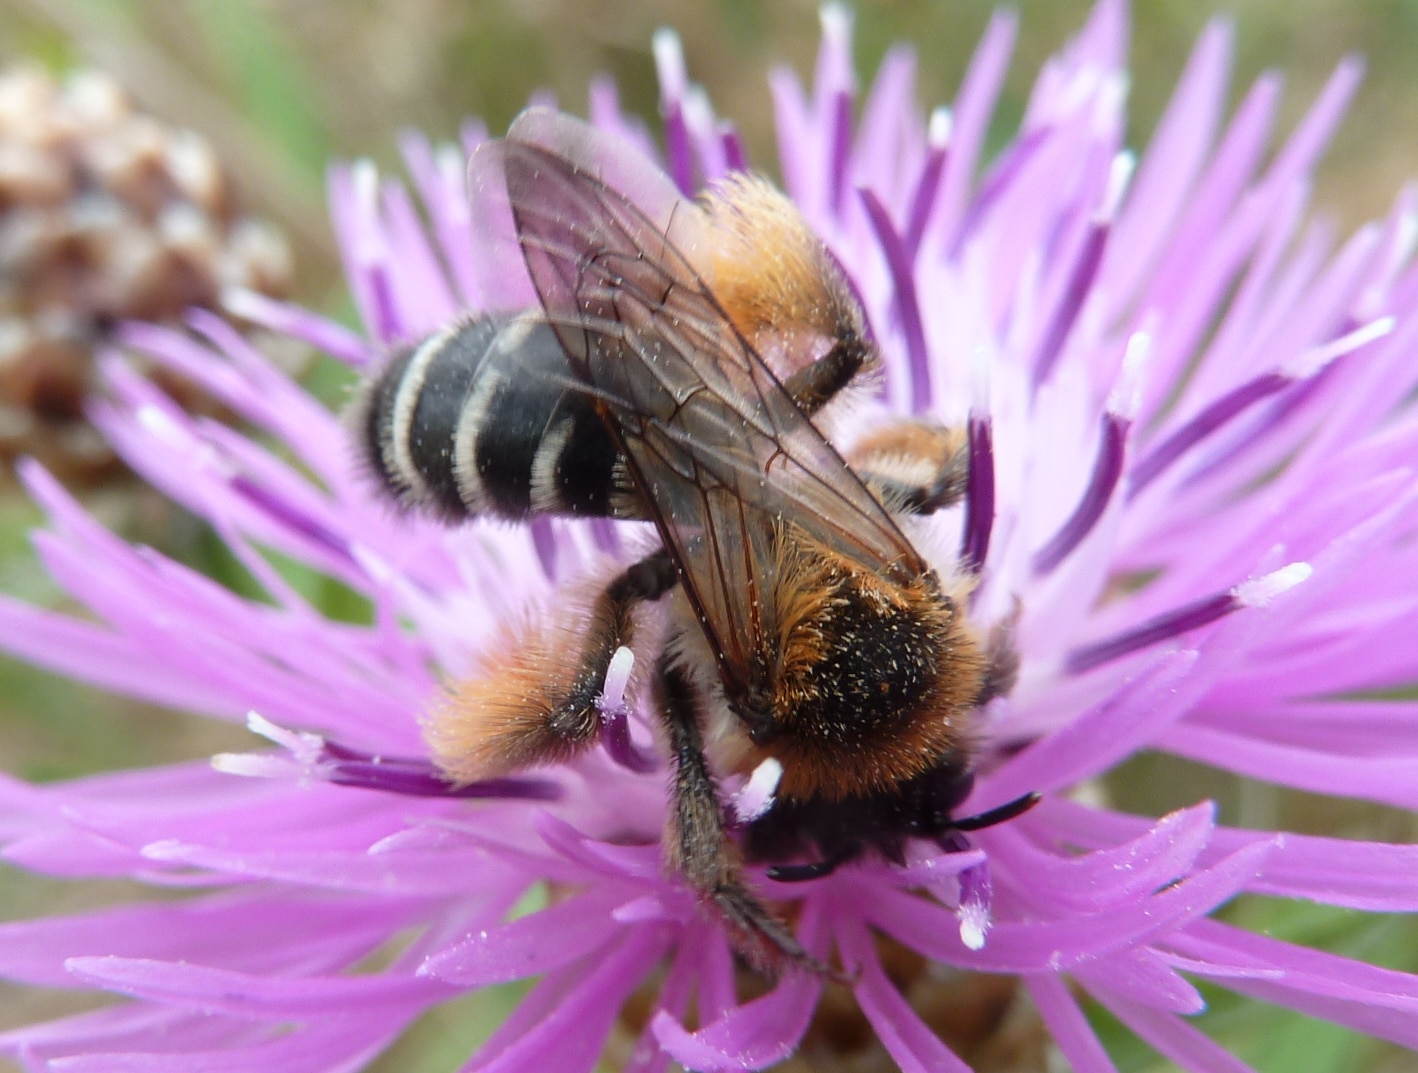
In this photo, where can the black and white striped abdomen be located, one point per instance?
(484, 418)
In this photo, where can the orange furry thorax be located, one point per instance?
(772, 274)
(871, 681)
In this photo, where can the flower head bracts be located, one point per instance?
(1199, 512)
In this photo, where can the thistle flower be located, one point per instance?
(1191, 408)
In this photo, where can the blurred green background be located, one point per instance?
(281, 87)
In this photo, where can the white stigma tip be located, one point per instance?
(669, 63)
(365, 177)
(258, 724)
(302, 753)
(974, 923)
(1260, 591)
(450, 157)
(303, 745)
(254, 766)
(1112, 95)
(1406, 237)
(1119, 178)
(941, 125)
(162, 426)
(836, 23)
(1126, 399)
(980, 382)
(1313, 361)
(452, 165)
(1079, 87)
(612, 698)
(698, 112)
(242, 302)
(756, 797)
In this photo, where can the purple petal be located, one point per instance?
(342, 1047)
(973, 109)
(673, 1001)
(247, 931)
(128, 1026)
(1173, 1037)
(294, 321)
(1078, 286)
(1362, 875)
(1037, 946)
(1377, 1002)
(439, 175)
(1213, 198)
(758, 1033)
(899, 264)
(1390, 780)
(426, 301)
(571, 1013)
(979, 493)
(406, 874)
(532, 945)
(1144, 976)
(912, 1045)
(888, 145)
(1168, 170)
(1107, 469)
(257, 996)
(1066, 1023)
(1105, 877)
(1156, 695)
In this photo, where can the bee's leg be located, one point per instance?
(800, 873)
(698, 847)
(530, 706)
(610, 626)
(814, 386)
(913, 467)
(1001, 659)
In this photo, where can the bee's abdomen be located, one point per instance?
(486, 418)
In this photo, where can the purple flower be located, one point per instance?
(1201, 505)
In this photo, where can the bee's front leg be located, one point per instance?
(1001, 659)
(698, 848)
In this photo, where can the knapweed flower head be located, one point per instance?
(106, 214)
(1193, 495)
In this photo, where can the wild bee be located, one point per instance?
(803, 629)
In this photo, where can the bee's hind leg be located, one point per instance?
(698, 848)
(529, 706)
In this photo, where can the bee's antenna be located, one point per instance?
(1008, 811)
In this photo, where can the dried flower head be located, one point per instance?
(106, 214)
(1194, 408)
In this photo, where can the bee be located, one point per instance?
(804, 630)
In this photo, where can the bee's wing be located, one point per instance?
(721, 453)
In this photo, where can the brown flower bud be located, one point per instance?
(106, 214)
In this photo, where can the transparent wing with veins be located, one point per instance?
(722, 455)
